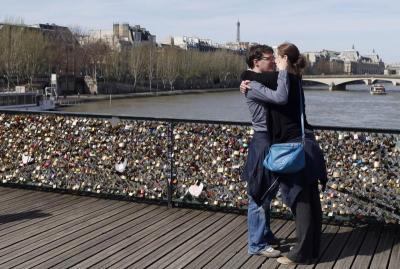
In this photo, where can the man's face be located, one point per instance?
(266, 63)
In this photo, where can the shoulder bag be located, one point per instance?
(287, 158)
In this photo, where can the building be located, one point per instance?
(392, 69)
(61, 34)
(122, 35)
(192, 43)
(324, 62)
(132, 34)
(100, 35)
(241, 47)
(354, 63)
(345, 62)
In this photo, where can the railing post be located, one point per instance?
(171, 162)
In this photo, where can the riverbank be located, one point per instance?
(84, 98)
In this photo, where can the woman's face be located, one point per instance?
(281, 61)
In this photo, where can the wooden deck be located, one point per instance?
(43, 229)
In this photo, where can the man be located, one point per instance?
(261, 188)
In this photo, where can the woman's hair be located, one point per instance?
(296, 60)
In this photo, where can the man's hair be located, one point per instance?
(256, 53)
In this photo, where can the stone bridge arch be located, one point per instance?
(395, 82)
(339, 82)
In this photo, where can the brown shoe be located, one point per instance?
(285, 260)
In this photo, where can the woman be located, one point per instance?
(299, 190)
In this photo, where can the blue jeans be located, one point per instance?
(258, 226)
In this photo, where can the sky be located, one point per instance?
(312, 25)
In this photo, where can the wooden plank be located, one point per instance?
(58, 249)
(23, 219)
(228, 253)
(30, 202)
(219, 247)
(367, 250)
(383, 250)
(133, 230)
(74, 234)
(5, 189)
(134, 253)
(17, 196)
(192, 242)
(335, 248)
(26, 232)
(204, 246)
(327, 236)
(21, 203)
(71, 231)
(236, 261)
(171, 245)
(9, 195)
(78, 231)
(395, 254)
(290, 237)
(49, 233)
(242, 258)
(34, 209)
(346, 258)
(140, 239)
(136, 250)
(256, 261)
(78, 214)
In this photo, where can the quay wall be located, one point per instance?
(165, 160)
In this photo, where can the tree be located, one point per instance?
(186, 66)
(150, 63)
(33, 52)
(11, 57)
(95, 54)
(115, 67)
(173, 60)
(136, 63)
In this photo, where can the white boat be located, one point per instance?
(27, 101)
(377, 89)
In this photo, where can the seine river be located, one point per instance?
(354, 107)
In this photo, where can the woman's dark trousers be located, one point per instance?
(308, 218)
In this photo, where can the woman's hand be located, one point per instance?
(244, 86)
(281, 62)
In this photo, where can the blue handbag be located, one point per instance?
(287, 158)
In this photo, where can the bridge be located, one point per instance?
(58, 230)
(339, 82)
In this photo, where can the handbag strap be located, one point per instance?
(303, 136)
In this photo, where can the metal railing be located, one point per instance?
(165, 160)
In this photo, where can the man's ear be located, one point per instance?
(255, 62)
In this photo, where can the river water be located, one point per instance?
(354, 107)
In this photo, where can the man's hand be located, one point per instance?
(244, 86)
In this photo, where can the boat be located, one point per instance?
(26, 101)
(377, 89)
(33, 100)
